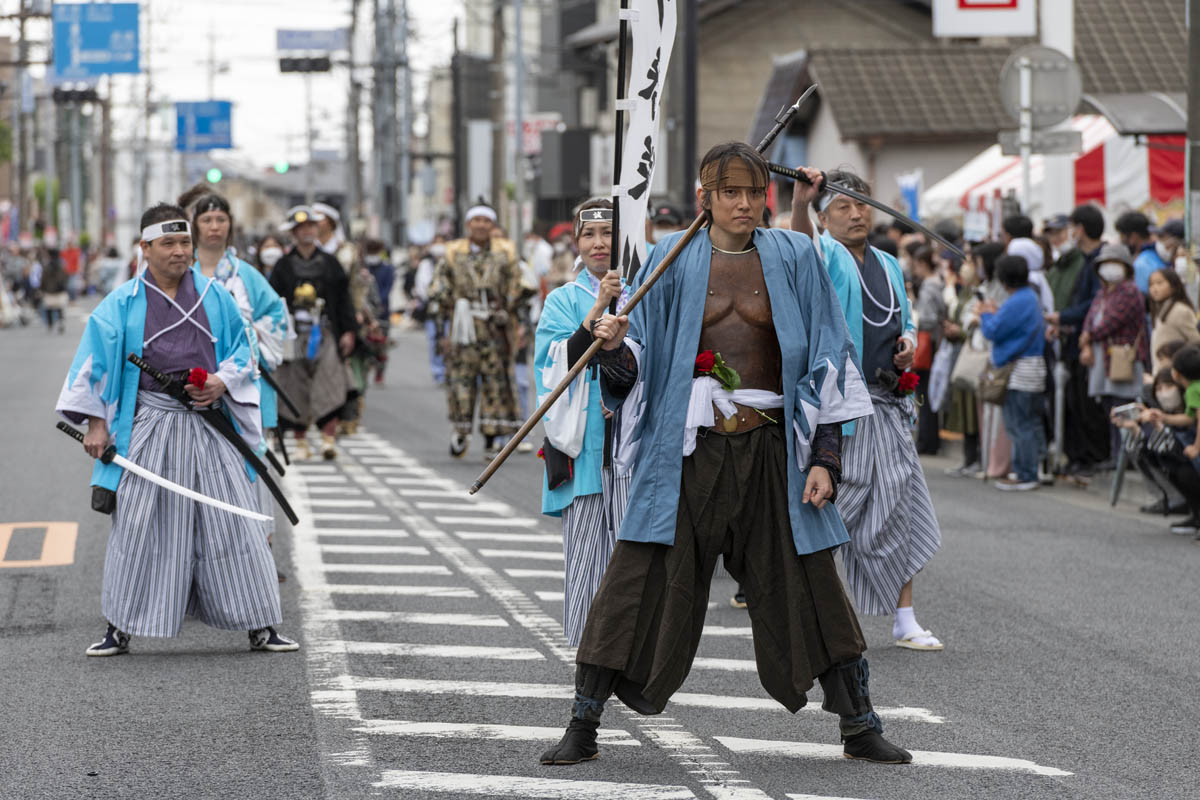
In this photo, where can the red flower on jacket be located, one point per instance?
(908, 383)
(197, 377)
(705, 362)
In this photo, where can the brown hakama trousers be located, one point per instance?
(648, 615)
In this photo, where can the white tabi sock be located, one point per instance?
(905, 624)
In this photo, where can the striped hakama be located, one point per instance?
(168, 555)
(590, 524)
(884, 501)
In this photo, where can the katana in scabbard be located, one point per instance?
(110, 456)
(174, 387)
(283, 398)
(797, 175)
(781, 121)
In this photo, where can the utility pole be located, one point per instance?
(404, 162)
(459, 164)
(385, 117)
(518, 217)
(148, 112)
(691, 33)
(498, 126)
(310, 173)
(354, 171)
(21, 150)
(106, 166)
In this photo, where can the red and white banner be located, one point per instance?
(1116, 172)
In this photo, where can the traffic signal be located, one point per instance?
(305, 64)
(282, 166)
(73, 95)
(213, 175)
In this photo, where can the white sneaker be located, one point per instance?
(1011, 485)
(458, 445)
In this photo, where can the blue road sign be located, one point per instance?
(92, 39)
(312, 41)
(203, 126)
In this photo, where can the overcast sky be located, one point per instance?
(268, 122)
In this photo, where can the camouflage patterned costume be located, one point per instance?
(477, 292)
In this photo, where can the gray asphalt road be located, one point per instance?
(433, 663)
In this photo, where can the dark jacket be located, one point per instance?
(1073, 314)
(330, 282)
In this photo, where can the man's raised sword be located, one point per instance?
(797, 175)
(110, 456)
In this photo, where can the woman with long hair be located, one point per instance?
(263, 310)
(1172, 315)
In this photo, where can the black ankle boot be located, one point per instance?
(577, 744)
(871, 746)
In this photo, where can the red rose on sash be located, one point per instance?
(908, 383)
(197, 377)
(705, 362)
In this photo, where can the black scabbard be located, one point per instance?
(223, 426)
(287, 401)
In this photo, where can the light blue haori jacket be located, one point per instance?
(265, 316)
(562, 314)
(102, 383)
(822, 383)
(843, 271)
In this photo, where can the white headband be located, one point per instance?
(480, 211)
(825, 200)
(159, 229)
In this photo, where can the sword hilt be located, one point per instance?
(795, 174)
(77, 435)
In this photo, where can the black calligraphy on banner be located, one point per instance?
(651, 91)
(644, 168)
(630, 262)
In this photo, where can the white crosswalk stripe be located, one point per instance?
(375, 494)
(461, 784)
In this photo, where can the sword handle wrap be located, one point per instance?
(77, 435)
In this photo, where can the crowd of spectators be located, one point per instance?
(1059, 324)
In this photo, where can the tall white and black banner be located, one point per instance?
(651, 25)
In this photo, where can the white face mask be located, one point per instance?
(1112, 273)
(1163, 251)
(270, 255)
(1169, 399)
(373, 260)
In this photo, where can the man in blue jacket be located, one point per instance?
(748, 372)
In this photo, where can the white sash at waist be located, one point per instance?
(707, 392)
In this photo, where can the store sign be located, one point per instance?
(975, 18)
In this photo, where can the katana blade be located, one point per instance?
(111, 457)
(171, 486)
(797, 175)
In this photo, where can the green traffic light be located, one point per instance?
(214, 175)
(282, 167)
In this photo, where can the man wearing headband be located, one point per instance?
(884, 499)
(168, 555)
(318, 295)
(747, 372)
(476, 291)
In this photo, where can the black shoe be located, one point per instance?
(577, 744)
(1161, 507)
(114, 643)
(738, 600)
(871, 746)
(267, 639)
(1186, 527)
